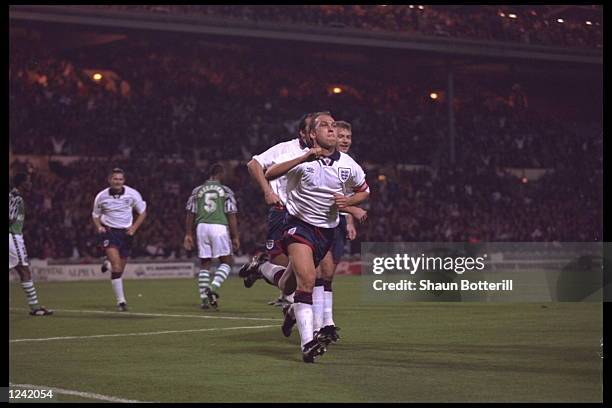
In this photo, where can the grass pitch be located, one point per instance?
(412, 352)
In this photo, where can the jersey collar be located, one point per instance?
(120, 193)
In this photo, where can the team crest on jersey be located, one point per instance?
(292, 231)
(344, 173)
(269, 244)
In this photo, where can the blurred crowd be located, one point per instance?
(159, 101)
(535, 24)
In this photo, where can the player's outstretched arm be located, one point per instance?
(280, 169)
(355, 213)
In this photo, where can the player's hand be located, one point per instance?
(131, 231)
(351, 232)
(340, 200)
(314, 153)
(272, 198)
(236, 244)
(101, 230)
(188, 242)
(360, 214)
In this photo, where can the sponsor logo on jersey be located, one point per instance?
(269, 244)
(292, 231)
(344, 173)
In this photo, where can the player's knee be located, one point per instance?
(229, 260)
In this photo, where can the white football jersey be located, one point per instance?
(290, 149)
(115, 211)
(311, 187)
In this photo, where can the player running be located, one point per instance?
(212, 207)
(316, 182)
(322, 295)
(18, 257)
(113, 215)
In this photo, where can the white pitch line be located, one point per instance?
(140, 334)
(160, 314)
(89, 395)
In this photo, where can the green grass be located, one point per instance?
(393, 352)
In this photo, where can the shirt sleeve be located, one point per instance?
(139, 204)
(97, 207)
(14, 206)
(191, 205)
(231, 206)
(358, 180)
(270, 156)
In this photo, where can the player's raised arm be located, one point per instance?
(280, 169)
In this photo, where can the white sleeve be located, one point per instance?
(97, 207)
(231, 206)
(139, 204)
(191, 205)
(270, 156)
(358, 180)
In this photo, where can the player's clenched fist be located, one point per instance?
(340, 200)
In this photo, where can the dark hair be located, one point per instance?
(19, 179)
(343, 124)
(215, 170)
(116, 170)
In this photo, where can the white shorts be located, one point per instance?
(213, 240)
(17, 251)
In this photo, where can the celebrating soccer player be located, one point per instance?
(316, 183)
(112, 216)
(212, 207)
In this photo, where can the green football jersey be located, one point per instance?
(210, 203)
(16, 212)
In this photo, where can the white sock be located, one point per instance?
(327, 308)
(203, 282)
(303, 315)
(268, 270)
(221, 275)
(290, 297)
(317, 307)
(118, 289)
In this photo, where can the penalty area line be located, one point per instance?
(89, 395)
(95, 336)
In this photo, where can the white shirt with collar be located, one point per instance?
(311, 187)
(115, 211)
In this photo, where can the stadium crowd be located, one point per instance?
(149, 119)
(535, 24)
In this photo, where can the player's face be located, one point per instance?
(325, 132)
(344, 140)
(116, 181)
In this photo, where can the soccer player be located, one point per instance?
(113, 215)
(212, 207)
(316, 182)
(322, 295)
(18, 257)
(275, 196)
